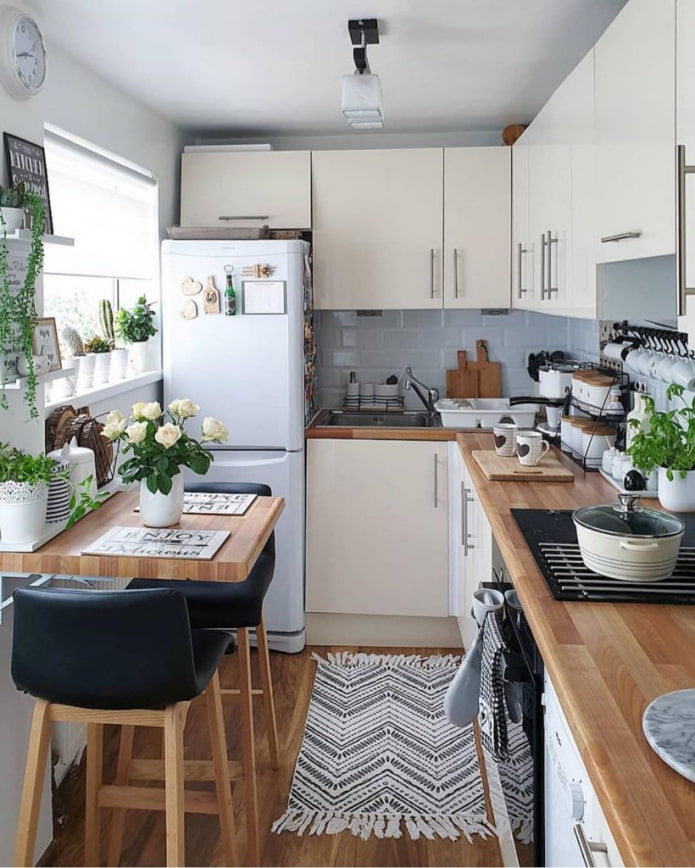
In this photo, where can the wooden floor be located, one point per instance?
(293, 676)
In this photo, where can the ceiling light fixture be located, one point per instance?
(362, 101)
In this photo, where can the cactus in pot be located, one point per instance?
(73, 341)
(106, 321)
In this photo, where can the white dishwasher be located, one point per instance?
(576, 832)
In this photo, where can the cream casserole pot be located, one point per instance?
(627, 542)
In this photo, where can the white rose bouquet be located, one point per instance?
(159, 444)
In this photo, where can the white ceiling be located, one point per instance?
(274, 66)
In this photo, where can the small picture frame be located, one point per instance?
(45, 342)
(27, 162)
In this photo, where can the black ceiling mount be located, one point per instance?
(363, 32)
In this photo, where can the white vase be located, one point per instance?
(102, 368)
(161, 510)
(119, 364)
(22, 512)
(678, 494)
(138, 356)
(14, 219)
(85, 372)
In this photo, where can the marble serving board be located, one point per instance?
(668, 724)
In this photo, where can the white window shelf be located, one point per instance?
(110, 390)
(25, 235)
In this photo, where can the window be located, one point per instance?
(110, 208)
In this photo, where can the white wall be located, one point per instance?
(87, 106)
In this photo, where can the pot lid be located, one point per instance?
(627, 519)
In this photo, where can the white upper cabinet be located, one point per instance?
(635, 118)
(247, 188)
(522, 258)
(477, 223)
(377, 229)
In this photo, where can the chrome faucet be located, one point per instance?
(413, 383)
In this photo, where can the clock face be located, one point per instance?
(29, 53)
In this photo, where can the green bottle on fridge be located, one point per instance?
(229, 297)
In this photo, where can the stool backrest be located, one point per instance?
(238, 488)
(103, 649)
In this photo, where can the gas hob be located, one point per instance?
(552, 539)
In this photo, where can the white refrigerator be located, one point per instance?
(255, 371)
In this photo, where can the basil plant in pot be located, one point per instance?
(669, 446)
(24, 481)
(135, 327)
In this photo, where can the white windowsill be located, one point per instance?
(109, 391)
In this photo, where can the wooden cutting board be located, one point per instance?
(489, 375)
(462, 382)
(499, 469)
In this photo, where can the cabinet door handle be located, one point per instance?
(543, 240)
(456, 272)
(244, 217)
(621, 236)
(519, 253)
(551, 289)
(588, 848)
(436, 483)
(681, 240)
(468, 499)
(464, 520)
(431, 272)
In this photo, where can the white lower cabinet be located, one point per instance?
(377, 527)
(470, 544)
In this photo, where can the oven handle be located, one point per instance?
(588, 848)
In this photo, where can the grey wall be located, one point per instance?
(428, 340)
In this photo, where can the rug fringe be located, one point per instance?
(349, 658)
(522, 828)
(363, 826)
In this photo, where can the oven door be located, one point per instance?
(517, 784)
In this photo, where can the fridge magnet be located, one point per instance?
(257, 271)
(211, 296)
(189, 309)
(190, 286)
(264, 297)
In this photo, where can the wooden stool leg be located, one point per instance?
(174, 722)
(125, 753)
(37, 754)
(247, 747)
(268, 698)
(223, 786)
(94, 772)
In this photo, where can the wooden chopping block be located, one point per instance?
(489, 375)
(462, 382)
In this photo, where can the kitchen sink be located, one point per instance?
(371, 419)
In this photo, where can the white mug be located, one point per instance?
(683, 373)
(504, 436)
(530, 447)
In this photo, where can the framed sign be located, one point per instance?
(27, 162)
(45, 342)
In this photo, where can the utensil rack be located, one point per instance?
(662, 339)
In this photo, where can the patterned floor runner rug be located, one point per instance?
(379, 757)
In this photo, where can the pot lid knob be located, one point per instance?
(628, 504)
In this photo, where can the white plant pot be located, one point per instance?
(102, 368)
(678, 494)
(139, 356)
(161, 510)
(119, 364)
(14, 219)
(85, 372)
(22, 512)
(64, 387)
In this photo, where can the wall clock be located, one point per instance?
(22, 54)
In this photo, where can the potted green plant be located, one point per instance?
(667, 444)
(24, 481)
(135, 327)
(18, 303)
(119, 355)
(12, 204)
(101, 349)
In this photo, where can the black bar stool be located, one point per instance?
(237, 606)
(128, 658)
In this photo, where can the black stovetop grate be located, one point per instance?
(551, 536)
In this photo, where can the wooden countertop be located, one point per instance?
(233, 562)
(607, 661)
(345, 432)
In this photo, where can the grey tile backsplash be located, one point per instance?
(427, 340)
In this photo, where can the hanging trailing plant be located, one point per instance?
(18, 305)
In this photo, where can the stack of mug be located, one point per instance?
(643, 362)
(528, 445)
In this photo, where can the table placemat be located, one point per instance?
(214, 502)
(197, 545)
